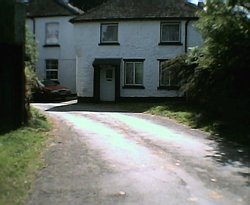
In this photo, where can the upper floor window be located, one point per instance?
(109, 33)
(133, 70)
(52, 33)
(170, 32)
(52, 69)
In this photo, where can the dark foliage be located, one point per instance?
(86, 4)
(31, 56)
(217, 76)
(12, 108)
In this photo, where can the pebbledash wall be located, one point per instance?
(138, 40)
(65, 52)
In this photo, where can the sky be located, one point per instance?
(193, 1)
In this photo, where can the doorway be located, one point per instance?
(107, 83)
(107, 79)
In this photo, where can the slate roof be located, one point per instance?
(140, 10)
(48, 8)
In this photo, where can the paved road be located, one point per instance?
(102, 155)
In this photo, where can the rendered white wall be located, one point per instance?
(138, 40)
(65, 53)
(194, 37)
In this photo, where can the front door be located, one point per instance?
(107, 83)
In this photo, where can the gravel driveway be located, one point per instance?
(103, 155)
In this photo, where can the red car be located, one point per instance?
(50, 90)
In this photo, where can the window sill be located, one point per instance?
(109, 44)
(171, 87)
(170, 44)
(51, 45)
(133, 87)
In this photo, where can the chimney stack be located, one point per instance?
(201, 4)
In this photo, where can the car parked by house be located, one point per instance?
(50, 90)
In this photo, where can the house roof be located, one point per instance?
(139, 9)
(48, 8)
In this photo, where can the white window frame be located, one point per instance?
(56, 34)
(51, 69)
(102, 40)
(134, 62)
(171, 24)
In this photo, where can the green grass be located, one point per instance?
(20, 158)
(185, 114)
(228, 127)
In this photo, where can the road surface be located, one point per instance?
(103, 155)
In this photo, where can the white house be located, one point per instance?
(49, 21)
(120, 46)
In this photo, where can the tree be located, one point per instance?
(12, 105)
(185, 70)
(245, 4)
(86, 4)
(221, 76)
(226, 30)
(31, 56)
(225, 26)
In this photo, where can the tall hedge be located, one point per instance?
(217, 76)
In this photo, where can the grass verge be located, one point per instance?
(20, 158)
(226, 127)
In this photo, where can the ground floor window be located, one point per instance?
(51, 69)
(133, 70)
(167, 78)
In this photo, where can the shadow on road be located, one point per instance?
(228, 152)
(231, 153)
(225, 152)
(101, 107)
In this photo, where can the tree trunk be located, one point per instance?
(12, 81)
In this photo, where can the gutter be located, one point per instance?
(186, 36)
(34, 26)
(79, 20)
